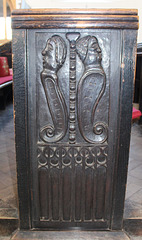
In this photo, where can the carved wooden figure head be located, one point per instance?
(54, 53)
(89, 51)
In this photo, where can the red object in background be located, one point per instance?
(4, 68)
(5, 79)
(136, 113)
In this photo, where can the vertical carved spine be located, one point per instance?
(72, 38)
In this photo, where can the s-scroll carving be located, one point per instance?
(54, 56)
(91, 88)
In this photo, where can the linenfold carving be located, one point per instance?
(65, 173)
(91, 88)
(54, 56)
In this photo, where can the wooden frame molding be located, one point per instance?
(74, 18)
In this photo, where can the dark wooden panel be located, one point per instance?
(128, 46)
(75, 162)
(20, 118)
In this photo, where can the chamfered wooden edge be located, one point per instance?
(76, 11)
(75, 18)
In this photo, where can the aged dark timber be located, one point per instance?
(73, 90)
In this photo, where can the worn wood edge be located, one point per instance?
(75, 18)
(117, 11)
(66, 226)
(74, 24)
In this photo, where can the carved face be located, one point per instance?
(49, 56)
(89, 51)
(54, 53)
(93, 55)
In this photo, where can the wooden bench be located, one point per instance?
(5, 88)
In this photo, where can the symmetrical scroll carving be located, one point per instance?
(54, 56)
(72, 37)
(91, 88)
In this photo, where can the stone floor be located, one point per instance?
(82, 236)
(133, 200)
(70, 235)
(8, 192)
